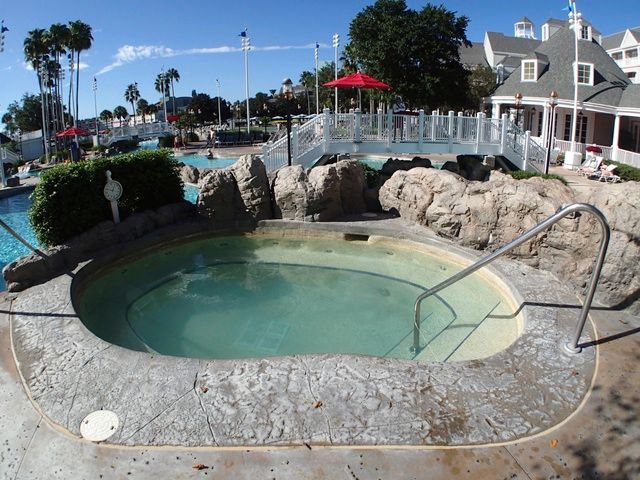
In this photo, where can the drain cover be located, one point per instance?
(99, 425)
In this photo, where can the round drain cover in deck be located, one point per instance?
(99, 425)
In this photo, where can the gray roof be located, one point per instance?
(525, 20)
(615, 40)
(631, 96)
(511, 63)
(556, 21)
(511, 45)
(473, 55)
(609, 80)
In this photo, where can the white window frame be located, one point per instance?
(630, 51)
(585, 29)
(545, 32)
(591, 72)
(617, 53)
(535, 71)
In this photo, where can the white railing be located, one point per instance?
(354, 132)
(8, 156)
(608, 152)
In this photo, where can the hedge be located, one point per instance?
(523, 175)
(69, 199)
(626, 172)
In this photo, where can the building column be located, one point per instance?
(545, 124)
(616, 136)
(495, 110)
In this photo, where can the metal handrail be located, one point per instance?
(560, 214)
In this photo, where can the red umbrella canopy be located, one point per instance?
(358, 80)
(73, 131)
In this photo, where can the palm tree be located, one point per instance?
(307, 79)
(162, 86)
(80, 39)
(57, 38)
(105, 116)
(34, 49)
(132, 95)
(120, 113)
(143, 108)
(172, 74)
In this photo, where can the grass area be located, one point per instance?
(626, 172)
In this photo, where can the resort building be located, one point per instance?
(608, 102)
(624, 48)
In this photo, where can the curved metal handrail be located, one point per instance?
(18, 237)
(560, 214)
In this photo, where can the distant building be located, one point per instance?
(624, 48)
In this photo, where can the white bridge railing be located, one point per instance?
(380, 133)
(142, 130)
(608, 152)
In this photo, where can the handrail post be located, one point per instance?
(503, 133)
(562, 212)
(460, 126)
(420, 129)
(379, 119)
(326, 128)
(450, 130)
(525, 150)
(479, 130)
(435, 118)
(357, 134)
(294, 144)
(390, 128)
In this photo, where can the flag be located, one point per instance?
(4, 29)
(568, 8)
(316, 51)
(243, 33)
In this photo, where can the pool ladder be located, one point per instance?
(562, 212)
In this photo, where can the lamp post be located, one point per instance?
(317, 96)
(573, 157)
(336, 44)
(518, 105)
(95, 108)
(219, 116)
(287, 94)
(246, 46)
(553, 101)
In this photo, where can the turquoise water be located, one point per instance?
(201, 161)
(240, 297)
(190, 193)
(13, 211)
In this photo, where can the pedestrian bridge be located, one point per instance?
(391, 134)
(141, 131)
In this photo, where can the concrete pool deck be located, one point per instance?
(602, 435)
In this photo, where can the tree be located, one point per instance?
(131, 95)
(57, 39)
(143, 108)
(416, 52)
(162, 86)
(308, 80)
(172, 74)
(203, 107)
(106, 116)
(25, 115)
(80, 39)
(120, 113)
(482, 83)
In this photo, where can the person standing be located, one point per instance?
(398, 108)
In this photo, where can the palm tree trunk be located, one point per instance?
(77, 82)
(173, 96)
(134, 112)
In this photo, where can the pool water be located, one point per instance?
(256, 296)
(13, 211)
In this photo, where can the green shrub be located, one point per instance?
(523, 175)
(371, 175)
(626, 172)
(166, 142)
(69, 199)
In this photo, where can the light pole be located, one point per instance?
(336, 44)
(287, 94)
(95, 107)
(553, 101)
(573, 158)
(219, 116)
(518, 105)
(316, 61)
(246, 46)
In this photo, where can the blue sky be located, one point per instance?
(133, 40)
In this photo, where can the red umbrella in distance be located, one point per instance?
(358, 80)
(73, 131)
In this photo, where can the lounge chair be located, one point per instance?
(608, 174)
(590, 167)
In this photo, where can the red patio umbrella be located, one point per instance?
(73, 131)
(358, 80)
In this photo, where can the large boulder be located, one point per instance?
(253, 185)
(219, 198)
(189, 173)
(352, 186)
(488, 215)
(393, 164)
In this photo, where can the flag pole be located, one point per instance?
(317, 96)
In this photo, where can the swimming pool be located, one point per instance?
(256, 296)
(13, 211)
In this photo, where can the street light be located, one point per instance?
(336, 44)
(246, 46)
(518, 106)
(553, 101)
(219, 116)
(287, 94)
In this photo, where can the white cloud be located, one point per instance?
(129, 53)
(84, 66)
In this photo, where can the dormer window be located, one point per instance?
(545, 32)
(616, 55)
(585, 32)
(585, 74)
(529, 71)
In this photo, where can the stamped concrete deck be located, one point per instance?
(601, 436)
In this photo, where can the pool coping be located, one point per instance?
(529, 388)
